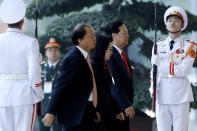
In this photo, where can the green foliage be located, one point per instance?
(63, 27)
(44, 39)
(58, 7)
(143, 13)
(136, 21)
(96, 19)
(195, 63)
(142, 97)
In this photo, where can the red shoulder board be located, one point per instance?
(192, 54)
(191, 42)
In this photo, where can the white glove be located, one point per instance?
(151, 90)
(155, 59)
(177, 61)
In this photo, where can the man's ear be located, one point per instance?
(79, 41)
(46, 52)
(21, 23)
(113, 36)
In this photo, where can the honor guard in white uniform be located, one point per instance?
(20, 71)
(174, 59)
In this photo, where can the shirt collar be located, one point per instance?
(14, 30)
(119, 50)
(84, 53)
(175, 40)
(54, 64)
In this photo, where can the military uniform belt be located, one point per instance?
(13, 76)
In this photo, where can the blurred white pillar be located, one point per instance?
(193, 10)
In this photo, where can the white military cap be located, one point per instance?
(12, 11)
(175, 10)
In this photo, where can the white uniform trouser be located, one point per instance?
(176, 115)
(18, 118)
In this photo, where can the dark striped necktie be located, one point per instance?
(171, 44)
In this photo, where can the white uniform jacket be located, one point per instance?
(19, 56)
(173, 87)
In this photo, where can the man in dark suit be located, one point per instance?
(121, 72)
(74, 84)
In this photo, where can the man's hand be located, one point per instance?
(130, 112)
(48, 119)
(120, 116)
(98, 118)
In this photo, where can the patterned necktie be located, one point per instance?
(94, 91)
(171, 44)
(126, 63)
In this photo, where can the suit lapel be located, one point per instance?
(118, 57)
(80, 55)
(82, 59)
(120, 61)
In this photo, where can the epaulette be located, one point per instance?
(161, 40)
(191, 42)
(43, 62)
(132, 67)
(191, 52)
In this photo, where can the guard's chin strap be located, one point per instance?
(175, 32)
